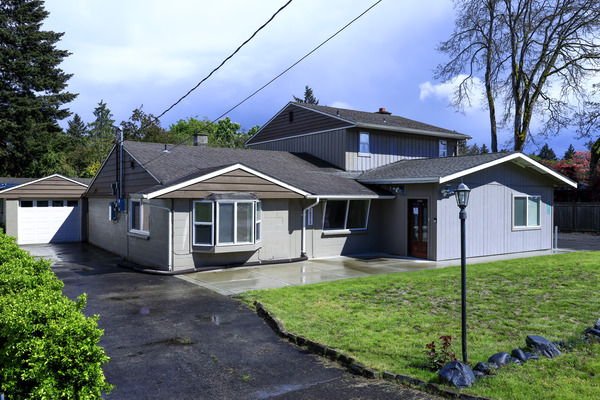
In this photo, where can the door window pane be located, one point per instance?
(26, 203)
(424, 219)
(57, 203)
(72, 203)
(42, 203)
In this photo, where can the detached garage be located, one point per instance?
(47, 210)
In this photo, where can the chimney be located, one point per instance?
(200, 139)
(382, 111)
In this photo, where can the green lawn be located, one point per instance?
(384, 321)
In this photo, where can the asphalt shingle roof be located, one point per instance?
(430, 168)
(299, 170)
(383, 120)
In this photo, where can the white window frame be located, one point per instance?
(344, 228)
(443, 148)
(211, 224)
(142, 229)
(257, 221)
(366, 143)
(539, 211)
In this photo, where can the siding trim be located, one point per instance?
(40, 180)
(234, 167)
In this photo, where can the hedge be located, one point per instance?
(48, 347)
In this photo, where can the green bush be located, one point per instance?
(48, 347)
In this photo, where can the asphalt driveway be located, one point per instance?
(171, 339)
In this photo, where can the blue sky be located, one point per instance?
(130, 53)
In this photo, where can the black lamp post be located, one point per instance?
(462, 199)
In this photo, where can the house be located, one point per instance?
(318, 182)
(43, 210)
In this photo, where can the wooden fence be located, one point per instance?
(577, 217)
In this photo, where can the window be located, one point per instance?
(363, 145)
(42, 203)
(57, 203)
(230, 222)
(526, 211)
(26, 203)
(203, 223)
(140, 217)
(346, 214)
(443, 148)
(72, 203)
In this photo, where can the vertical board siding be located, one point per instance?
(328, 146)
(489, 228)
(581, 217)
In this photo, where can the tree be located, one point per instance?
(569, 153)
(309, 97)
(546, 153)
(102, 132)
(144, 128)
(32, 86)
(535, 55)
(484, 149)
(223, 133)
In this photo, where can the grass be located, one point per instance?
(385, 321)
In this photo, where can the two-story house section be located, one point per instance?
(353, 140)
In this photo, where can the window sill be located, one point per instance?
(222, 249)
(526, 228)
(343, 232)
(366, 155)
(139, 234)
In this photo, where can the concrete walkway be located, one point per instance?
(237, 280)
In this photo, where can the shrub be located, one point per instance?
(48, 348)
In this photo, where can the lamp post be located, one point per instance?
(462, 199)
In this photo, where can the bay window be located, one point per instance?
(346, 215)
(226, 222)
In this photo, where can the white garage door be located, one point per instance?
(45, 221)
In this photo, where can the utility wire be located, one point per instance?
(224, 61)
(272, 80)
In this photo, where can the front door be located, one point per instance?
(418, 230)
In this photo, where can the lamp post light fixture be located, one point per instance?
(462, 199)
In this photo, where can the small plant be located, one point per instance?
(445, 355)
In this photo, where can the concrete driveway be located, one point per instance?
(170, 339)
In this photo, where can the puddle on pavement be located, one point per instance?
(210, 319)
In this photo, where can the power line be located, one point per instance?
(224, 61)
(272, 80)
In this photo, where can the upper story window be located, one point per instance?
(227, 222)
(526, 211)
(139, 220)
(364, 146)
(443, 148)
(346, 215)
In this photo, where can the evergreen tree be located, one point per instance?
(32, 87)
(77, 129)
(569, 153)
(102, 131)
(484, 149)
(546, 153)
(309, 97)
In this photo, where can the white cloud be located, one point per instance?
(447, 91)
(341, 104)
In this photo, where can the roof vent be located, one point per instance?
(383, 111)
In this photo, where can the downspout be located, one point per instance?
(303, 244)
(170, 263)
(121, 166)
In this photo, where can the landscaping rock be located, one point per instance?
(478, 374)
(457, 374)
(519, 355)
(516, 361)
(542, 346)
(597, 326)
(531, 356)
(485, 368)
(500, 359)
(592, 331)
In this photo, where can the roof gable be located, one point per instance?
(51, 187)
(442, 170)
(312, 119)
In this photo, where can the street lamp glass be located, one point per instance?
(462, 195)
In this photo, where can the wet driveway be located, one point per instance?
(170, 339)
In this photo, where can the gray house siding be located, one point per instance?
(489, 227)
(10, 217)
(107, 234)
(328, 146)
(387, 148)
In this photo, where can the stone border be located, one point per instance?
(354, 367)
